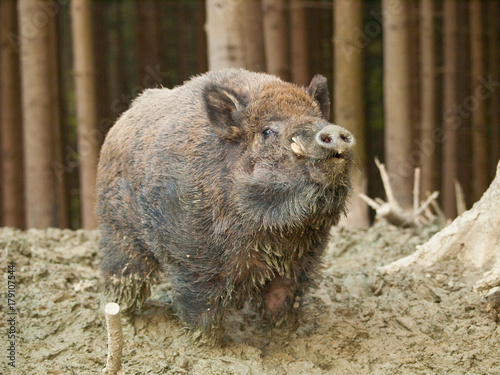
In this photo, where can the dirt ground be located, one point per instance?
(357, 322)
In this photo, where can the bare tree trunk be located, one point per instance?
(101, 48)
(88, 137)
(450, 97)
(148, 56)
(479, 112)
(276, 37)
(397, 101)
(234, 32)
(37, 115)
(202, 37)
(349, 105)
(116, 67)
(61, 192)
(494, 41)
(463, 119)
(11, 121)
(252, 35)
(225, 47)
(298, 43)
(428, 95)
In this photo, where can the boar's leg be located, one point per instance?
(200, 302)
(129, 269)
(281, 301)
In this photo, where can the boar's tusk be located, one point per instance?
(296, 148)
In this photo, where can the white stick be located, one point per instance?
(387, 184)
(115, 340)
(416, 189)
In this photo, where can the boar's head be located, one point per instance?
(289, 164)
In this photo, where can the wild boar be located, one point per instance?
(229, 184)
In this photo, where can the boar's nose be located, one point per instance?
(335, 140)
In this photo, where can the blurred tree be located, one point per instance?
(275, 37)
(234, 34)
(463, 89)
(427, 147)
(298, 43)
(349, 94)
(11, 121)
(397, 127)
(148, 55)
(101, 51)
(37, 115)
(60, 183)
(494, 65)
(479, 106)
(450, 100)
(201, 37)
(88, 135)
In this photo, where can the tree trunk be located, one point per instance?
(61, 192)
(494, 57)
(276, 37)
(37, 116)
(234, 33)
(450, 100)
(102, 49)
(116, 66)
(201, 37)
(148, 56)
(472, 238)
(397, 101)
(298, 43)
(427, 145)
(349, 89)
(463, 119)
(11, 121)
(88, 137)
(479, 107)
(252, 35)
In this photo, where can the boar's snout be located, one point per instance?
(334, 140)
(328, 141)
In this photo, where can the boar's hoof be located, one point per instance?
(128, 292)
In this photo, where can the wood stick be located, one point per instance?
(387, 184)
(439, 211)
(370, 202)
(460, 196)
(426, 204)
(115, 340)
(416, 190)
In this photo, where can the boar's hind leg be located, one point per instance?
(128, 268)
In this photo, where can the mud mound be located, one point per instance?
(356, 322)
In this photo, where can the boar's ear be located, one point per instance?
(318, 89)
(222, 104)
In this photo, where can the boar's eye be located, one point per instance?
(267, 132)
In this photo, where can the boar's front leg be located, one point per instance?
(128, 268)
(200, 302)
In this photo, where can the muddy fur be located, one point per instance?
(201, 182)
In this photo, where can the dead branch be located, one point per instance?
(392, 212)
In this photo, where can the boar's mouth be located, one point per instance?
(330, 142)
(299, 150)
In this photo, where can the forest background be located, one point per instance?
(416, 81)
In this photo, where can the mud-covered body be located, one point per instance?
(201, 182)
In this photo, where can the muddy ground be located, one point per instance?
(357, 322)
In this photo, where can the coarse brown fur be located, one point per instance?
(200, 182)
